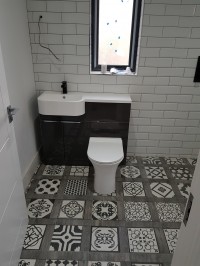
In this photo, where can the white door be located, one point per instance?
(13, 217)
(187, 251)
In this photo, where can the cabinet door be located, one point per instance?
(52, 142)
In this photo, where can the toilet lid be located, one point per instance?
(105, 150)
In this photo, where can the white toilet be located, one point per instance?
(105, 154)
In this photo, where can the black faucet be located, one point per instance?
(64, 87)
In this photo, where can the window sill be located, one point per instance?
(111, 74)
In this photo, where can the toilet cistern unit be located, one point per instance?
(105, 154)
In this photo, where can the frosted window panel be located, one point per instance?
(115, 22)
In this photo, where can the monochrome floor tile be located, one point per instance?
(169, 212)
(76, 187)
(184, 189)
(66, 238)
(104, 210)
(193, 161)
(61, 263)
(40, 208)
(175, 161)
(33, 237)
(162, 190)
(171, 236)
(142, 240)
(181, 172)
(131, 160)
(47, 186)
(130, 171)
(104, 239)
(73, 209)
(133, 189)
(137, 211)
(55, 170)
(151, 160)
(26, 262)
(79, 171)
(103, 263)
(155, 172)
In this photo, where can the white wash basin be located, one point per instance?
(55, 103)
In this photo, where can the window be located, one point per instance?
(115, 28)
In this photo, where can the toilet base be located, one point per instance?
(105, 178)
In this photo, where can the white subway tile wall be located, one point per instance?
(165, 113)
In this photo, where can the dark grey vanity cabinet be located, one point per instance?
(65, 139)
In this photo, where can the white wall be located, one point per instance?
(16, 51)
(166, 109)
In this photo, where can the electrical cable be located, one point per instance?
(40, 17)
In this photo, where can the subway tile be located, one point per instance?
(160, 136)
(173, 130)
(192, 130)
(156, 81)
(44, 68)
(169, 144)
(153, 98)
(194, 115)
(50, 77)
(179, 98)
(76, 59)
(167, 89)
(138, 136)
(175, 2)
(43, 86)
(83, 69)
(195, 33)
(165, 106)
(164, 21)
(83, 7)
(189, 107)
(46, 59)
(157, 150)
(147, 71)
(160, 42)
(141, 89)
(162, 122)
(77, 18)
(180, 151)
(181, 81)
(63, 49)
(180, 10)
(62, 28)
(190, 90)
(37, 49)
(187, 43)
(176, 32)
(70, 69)
(142, 106)
(83, 50)
(189, 72)
(173, 52)
(61, 6)
(189, 21)
(33, 28)
(77, 78)
(51, 39)
(116, 89)
(47, 17)
(183, 137)
(180, 62)
(175, 114)
(103, 79)
(149, 129)
(83, 29)
(151, 31)
(158, 62)
(36, 5)
(154, 9)
(151, 114)
(90, 88)
(186, 123)
(149, 52)
(76, 39)
(170, 72)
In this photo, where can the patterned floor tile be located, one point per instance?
(175, 161)
(104, 210)
(151, 160)
(184, 189)
(66, 238)
(144, 264)
(79, 171)
(181, 172)
(142, 240)
(131, 160)
(133, 189)
(104, 239)
(172, 238)
(193, 161)
(103, 263)
(61, 263)
(169, 212)
(72, 209)
(47, 186)
(162, 190)
(137, 211)
(76, 187)
(33, 237)
(40, 208)
(155, 172)
(55, 170)
(26, 262)
(113, 194)
(130, 171)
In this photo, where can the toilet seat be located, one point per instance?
(105, 150)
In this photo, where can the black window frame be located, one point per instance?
(135, 30)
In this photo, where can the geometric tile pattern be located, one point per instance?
(40, 208)
(162, 190)
(66, 238)
(79, 171)
(181, 172)
(61, 263)
(133, 189)
(131, 160)
(33, 237)
(142, 240)
(73, 209)
(47, 186)
(172, 238)
(104, 210)
(137, 211)
(139, 264)
(192, 161)
(103, 263)
(155, 172)
(175, 161)
(55, 170)
(104, 239)
(76, 187)
(130, 172)
(184, 189)
(169, 212)
(151, 160)
(26, 262)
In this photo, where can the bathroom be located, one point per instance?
(164, 119)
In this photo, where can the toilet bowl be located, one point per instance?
(105, 154)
